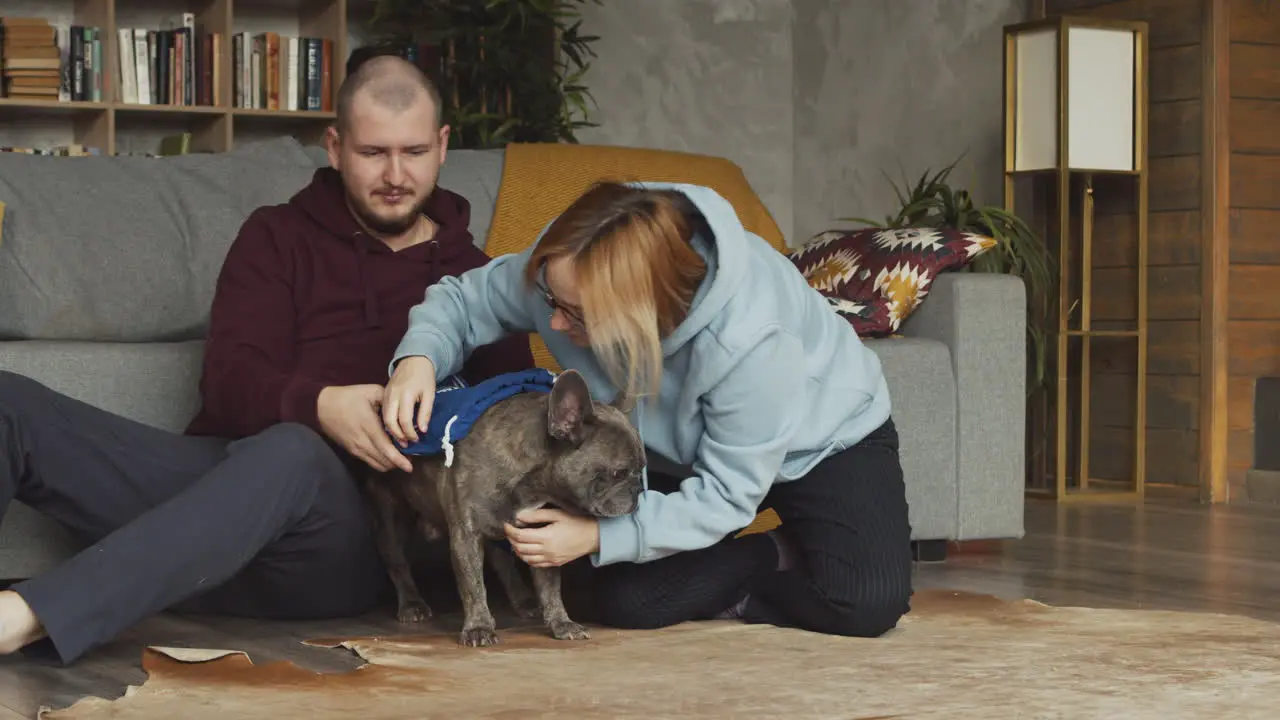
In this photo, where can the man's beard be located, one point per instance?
(383, 226)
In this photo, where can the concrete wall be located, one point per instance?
(815, 99)
(708, 76)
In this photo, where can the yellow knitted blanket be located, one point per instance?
(541, 180)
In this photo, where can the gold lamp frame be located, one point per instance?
(1057, 162)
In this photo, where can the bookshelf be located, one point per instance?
(109, 103)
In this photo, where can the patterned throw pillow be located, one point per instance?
(875, 278)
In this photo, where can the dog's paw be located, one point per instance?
(478, 637)
(568, 630)
(414, 612)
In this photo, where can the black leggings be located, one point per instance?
(847, 520)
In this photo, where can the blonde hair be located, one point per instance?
(636, 272)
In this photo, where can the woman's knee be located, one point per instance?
(871, 619)
(870, 611)
(865, 599)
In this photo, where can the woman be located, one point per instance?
(737, 370)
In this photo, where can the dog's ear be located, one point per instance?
(568, 407)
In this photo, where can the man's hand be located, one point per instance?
(565, 539)
(349, 416)
(412, 383)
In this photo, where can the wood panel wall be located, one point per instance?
(1253, 169)
(1177, 112)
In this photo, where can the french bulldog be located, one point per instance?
(529, 450)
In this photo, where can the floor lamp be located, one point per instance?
(1075, 109)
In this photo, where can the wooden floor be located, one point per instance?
(1162, 555)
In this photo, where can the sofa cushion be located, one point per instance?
(152, 383)
(874, 277)
(128, 248)
(922, 389)
(32, 543)
(475, 175)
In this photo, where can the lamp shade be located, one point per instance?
(1078, 77)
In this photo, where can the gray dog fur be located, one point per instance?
(527, 451)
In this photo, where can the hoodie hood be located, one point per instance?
(324, 200)
(725, 270)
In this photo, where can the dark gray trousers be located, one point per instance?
(271, 526)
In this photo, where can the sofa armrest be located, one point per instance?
(981, 317)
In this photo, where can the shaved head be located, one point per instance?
(388, 144)
(389, 82)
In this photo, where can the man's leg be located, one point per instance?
(324, 565)
(173, 517)
(848, 534)
(91, 470)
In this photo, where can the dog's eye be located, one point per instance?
(621, 473)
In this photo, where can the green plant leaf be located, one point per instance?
(864, 221)
(930, 201)
(523, 61)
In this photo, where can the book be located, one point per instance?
(31, 59)
(271, 71)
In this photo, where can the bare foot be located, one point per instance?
(18, 625)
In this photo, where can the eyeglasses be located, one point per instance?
(555, 304)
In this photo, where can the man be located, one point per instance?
(253, 511)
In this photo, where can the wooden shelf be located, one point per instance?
(72, 107)
(214, 128)
(17, 104)
(168, 109)
(284, 114)
(1104, 333)
(1073, 171)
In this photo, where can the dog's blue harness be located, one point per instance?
(458, 406)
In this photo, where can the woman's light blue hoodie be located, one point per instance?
(761, 380)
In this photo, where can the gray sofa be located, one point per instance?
(107, 267)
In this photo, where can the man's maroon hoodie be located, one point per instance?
(307, 299)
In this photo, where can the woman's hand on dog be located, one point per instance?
(413, 384)
(563, 539)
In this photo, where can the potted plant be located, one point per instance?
(933, 203)
(507, 70)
